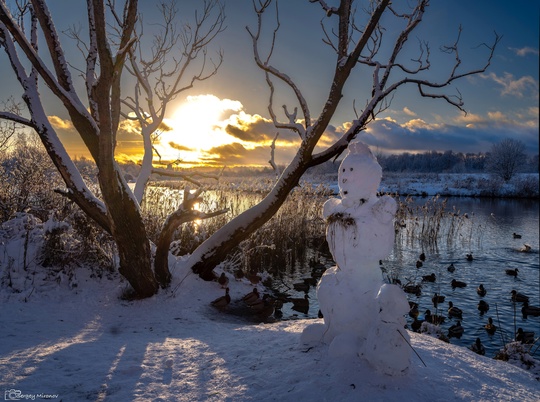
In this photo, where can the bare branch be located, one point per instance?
(272, 71)
(272, 152)
(185, 213)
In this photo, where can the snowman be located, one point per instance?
(360, 233)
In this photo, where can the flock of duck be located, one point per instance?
(453, 312)
(263, 306)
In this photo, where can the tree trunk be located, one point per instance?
(129, 234)
(215, 249)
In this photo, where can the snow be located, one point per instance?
(88, 345)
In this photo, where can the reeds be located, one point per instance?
(432, 222)
(280, 244)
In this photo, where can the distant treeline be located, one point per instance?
(426, 162)
(436, 162)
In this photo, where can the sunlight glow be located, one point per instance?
(198, 126)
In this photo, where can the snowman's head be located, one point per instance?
(359, 175)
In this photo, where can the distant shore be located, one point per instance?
(525, 185)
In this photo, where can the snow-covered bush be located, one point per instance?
(527, 186)
(433, 330)
(518, 354)
(28, 181)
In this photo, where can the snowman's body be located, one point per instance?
(360, 232)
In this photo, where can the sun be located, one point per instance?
(198, 125)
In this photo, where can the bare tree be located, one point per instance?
(506, 157)
(354, 47)
(111, 42)
(97, 118)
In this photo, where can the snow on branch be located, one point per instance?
(16, 119)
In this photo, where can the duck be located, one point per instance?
(413, 312)
(416, 324)
(301, 302)
(481, 290)
(483, 307)
(451, 267)
(419, 264)
(454, 311)
(512, 272)
(301, 286)
(223, 280)
(519, 297)
(422, 257)
(478, 348)
(251, 297)
(433, 318)
(516, 236)
(253, 278)
(311, 281)
(222, 302)
(524, 336)
(267, 308)
(429, 278)
(469, 257)
(490, 327)
(458, 284)
(437, 298)
(258, 304)
(412, 288)
(527, 310)
(526, 248)
(455, 330)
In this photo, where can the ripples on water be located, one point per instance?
(489, 237)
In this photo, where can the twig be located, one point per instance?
(408, 343)
(499, 322)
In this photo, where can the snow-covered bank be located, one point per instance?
(526, 185)
(462, 185)
(86, 344)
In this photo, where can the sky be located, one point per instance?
(224, 121)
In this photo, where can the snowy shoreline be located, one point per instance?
(526, 185)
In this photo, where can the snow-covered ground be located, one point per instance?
(86, 344)
(70, 337)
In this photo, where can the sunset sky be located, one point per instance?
(225, 120)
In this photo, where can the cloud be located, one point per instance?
(524, 51)
(408, 111)
(236, 154)
(257, 129)
(471, 133)
(58, 122)
(129, 126)
(524, 86)
(179, 147)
